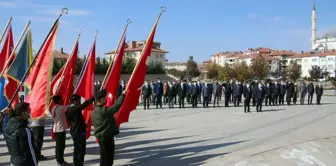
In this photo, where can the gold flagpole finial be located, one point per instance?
(65, 11)
(97, 33)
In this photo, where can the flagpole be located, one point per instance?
(6, 27)
(13, 51)
(115, 53)
(64, 11)
(163, 9)
(62, 75)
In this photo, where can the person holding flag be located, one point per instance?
(105, 126)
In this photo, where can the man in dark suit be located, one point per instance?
(260, 96)
(235, 94)
(216, 93)
(319, 93)
(241, 90)
(146, 94)
(282, 93)
(275, 92)
(296, 93)
(268, 94)
(205, 94)
(175, 92)
(310, 92)
(189, 92)
(158, 93)
(182, 92)
(194, 95)
(290, 92)
(254, 92)
(247, 97)
(227, 93)
(210, 88)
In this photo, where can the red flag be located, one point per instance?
(85, 87)
(6, 51)
(136, 81)
(62, 84)
(40, 78)
(112, 80)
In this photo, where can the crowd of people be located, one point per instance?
(257, 93)
(25, 140)
(25, 136)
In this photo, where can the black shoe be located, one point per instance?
(42, 157)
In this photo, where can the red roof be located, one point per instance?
(314, 54)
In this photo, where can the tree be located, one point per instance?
(57, 65)
(192, 69)
(224, 72)
(293, 71)
(212, 70)
(79, 65)
(259, 67)
(240, 71)
(325, 74)
(315, 73)
(177, 73)
(128, 65)
(155, 68)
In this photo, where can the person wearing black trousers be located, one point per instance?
(194, 95)
(260, 92)
(319, 93)
(182, 92)
(146, 94)
(282, 93)
(78, 127)
(169, 94)
(268, 95)
(158, 90)
(310, 93)
(254, 93)
(275, 93)
(290, 92)
(227, 93)
(216, 93)
(247, 92)
(296, 93)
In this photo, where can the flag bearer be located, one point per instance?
(105, 126)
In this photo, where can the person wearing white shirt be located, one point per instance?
(60, 126)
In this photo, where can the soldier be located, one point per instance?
(247, 97)
(146, 93)
(216, 93)
(319, 93)
(205, 94)
(303, 92)
(260, 96)
(268, 94)
(275, 92)
(310, 93)
(182, 92)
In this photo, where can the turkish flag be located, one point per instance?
(136, 81)
(113, 77)
(85, 87)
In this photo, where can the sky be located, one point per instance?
(196, 28)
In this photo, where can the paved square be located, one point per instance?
(281, 135)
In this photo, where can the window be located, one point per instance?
(323, 66)
(330, 67)
(330, 59)
(157, 55)
(314, 60)
(323, 59)
(305, 60)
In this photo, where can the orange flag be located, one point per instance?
(85, 87)
(134, 85)
(40, 78)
